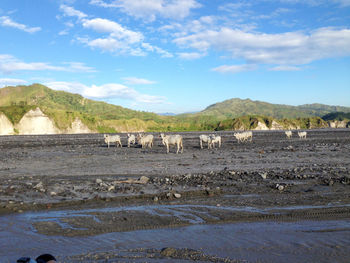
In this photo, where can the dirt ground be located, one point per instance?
(56, 172)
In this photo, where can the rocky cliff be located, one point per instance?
(36, 122)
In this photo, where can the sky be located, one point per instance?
(176, 56)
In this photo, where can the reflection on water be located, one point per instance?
(303, 241)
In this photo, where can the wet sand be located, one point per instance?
(72, 188)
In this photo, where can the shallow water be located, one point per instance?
(301, 241)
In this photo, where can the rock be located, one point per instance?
(144, 179)
(263, 175)
(177, 195)
(111, 188)
(99, 181)
(39, 187)
(52, 193)
(168, 252)
(280, 187)
(232, 172)
(155, 199)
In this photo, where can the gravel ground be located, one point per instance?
(77, 172)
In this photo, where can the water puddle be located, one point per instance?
(301, 241)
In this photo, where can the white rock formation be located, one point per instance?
(36, 122)
(338, 124)
(6, 127)
(276, 126)
(261, 127)
(78, 127)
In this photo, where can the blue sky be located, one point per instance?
(180, 55)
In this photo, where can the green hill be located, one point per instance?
(234, 108)
(337, 116)
(64, 107)
(46, 98)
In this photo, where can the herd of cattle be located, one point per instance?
(212, 140)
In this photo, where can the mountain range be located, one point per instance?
(64, 107)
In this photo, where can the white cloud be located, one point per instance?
(9, 64)
(106, 91)
(234, 68)
(8, 22)
(162, 52)
(191, 55)
(150, 10)
(11, 82)
(114, 29)
(138, 81)
(118, 39)
(70, 11)
(78, 67)
(291, 48)
(285, 68)
(341, 3)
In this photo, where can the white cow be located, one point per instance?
(302, 135)
(112, 139)
(244, 136)
(288, 134)
(215, 139)
(168, 140)
(206, 139)
(131, 139)
(145, 140)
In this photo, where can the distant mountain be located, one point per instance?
(233, 108)
(166, 114)
(67, 110)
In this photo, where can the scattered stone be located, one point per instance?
(111, 188)
(177, 195)
(39, 187)
(98, 181)
(232, 172)
(52, 193)
(144, 179)
(168, 252)
(280, 187)
(263, 175)
(155, 199)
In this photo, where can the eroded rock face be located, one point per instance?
(276, 126)
(338, 124)
(78, 127)
(36, 122)
(261, 127)
(6, 127)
